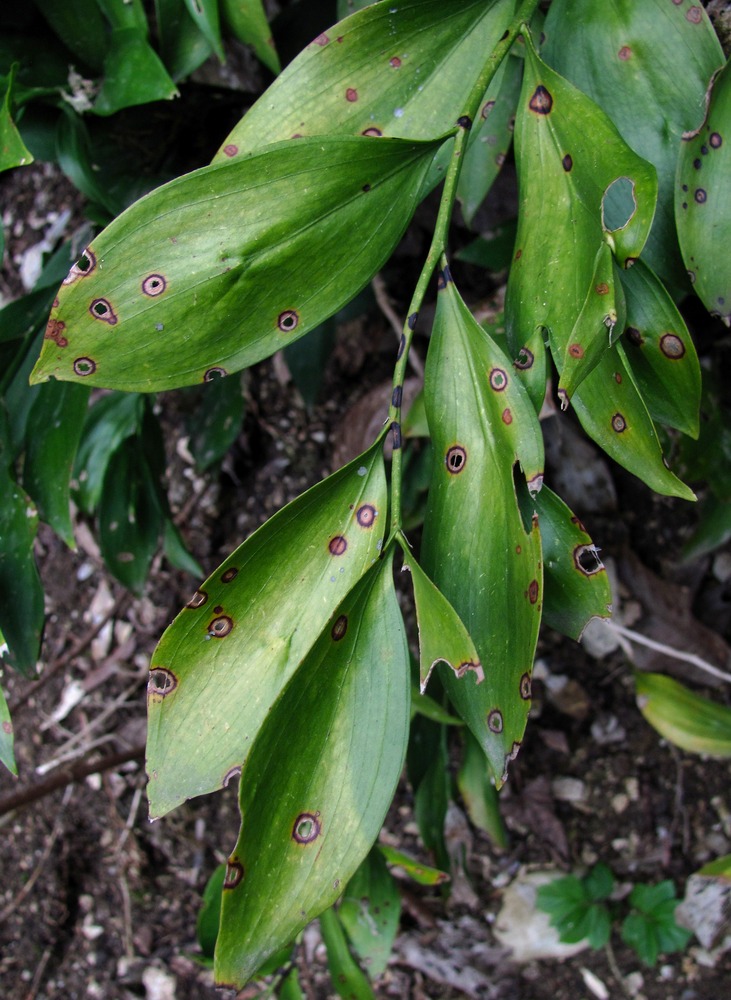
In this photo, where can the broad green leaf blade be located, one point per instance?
(320, 777)
(370, 912)
(248, 22)
(21, 592)
(206, 17)
(419, 872)
(570, 158)
(209, 915)
(182, 46)
(647, 65)
(613, 413)
(597, 326)
(660, 352)
(80, 26)
(683, 717)
(432, 792)
(442, 636)
(109, 422)
(489, 567)
(55, 422)
(224, 266)
(133, 74)
(7, 756)
(217, 420)
(576, 586)
(478, 792)
(249, 627)
(345, 972)
(129, 516)
(401, 69)
(491, 138)
(13, 151)
(702, 208)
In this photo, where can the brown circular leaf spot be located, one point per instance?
(84, 366)
(525, 687)
(498, 379)
(154, 284)
(625, 53)
(533, 591)
(487, 108)
(213, 373)
(602, 288)
(198, 599)
(715, 140)
(351, 94)
(691, 276)
(230, 574)
(234, 874)
(306, 828)
(495, 721)
(694, 15)
(455, 459)
(525, 359)
(54, 332)
(618, 378)
(672, 346)
(366, 515)
(102, 309)
(339, 628)
(220, 626)
(576, 350)
(83, 266)
(619, 424)
(395, 62)
(7, 727)
(541, 102)
(288, 320)
(372, 131)
(230, 149)
(337, 545)
(586, 560)
(161, 682)
(321, 39)
(567, 162)
(218, 610)
(507, 416)
(634, 336)
(233, 772)
(518, 254)
(700, 195)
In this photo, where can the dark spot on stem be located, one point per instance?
(465, 122)
(395, 435)
(412, 320)
(397, 396)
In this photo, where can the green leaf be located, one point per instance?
(574, 913)
(489, 568)
(307, 360)
(626, 57)
(7, 756)
(599, 882)
(247, 20)
(331, 749)
(653, 931)
(431, 797)
(683, 717)
(442, 636)
(370, 911)
(490, 138)
(173, 545)
(294, 571)
(478, 792)
(189, 283)
(80, 26)
(712, 531)
(206, 17)
(660, 352)
(401, 69)
(182, 46)
(290, 988)
(55, 422)
(346, 974)
(422, 704)
(133, 73)
(13, 151)
(216, 422)
(109, 422)
(702, 208)
(209, 915)
(718, 868)
(493, 252)
(576, 586)
(420, 873)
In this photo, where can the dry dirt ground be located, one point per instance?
(97, 902)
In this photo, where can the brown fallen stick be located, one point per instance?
(66, 776)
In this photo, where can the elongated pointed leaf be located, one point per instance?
(344, 970)
(370, 912)
(7, 756)
(206, 16)
(420, 873)
(13, 151)
(250, 625)
(576, 586)
(570, 160)
(479, 554)
(442, 635)
(319, 780)
(55, 421)
(702, 208)
(109, 422)
(21, 592)
(478, 792)
(402, 69)
(687, 719)
(627, 57)
(133, 74)
(182, 46)
(660, 352)
(248, 21)
(226, 265)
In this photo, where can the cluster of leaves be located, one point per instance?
(581, 909)
(290, 663)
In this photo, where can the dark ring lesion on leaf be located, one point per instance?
(307, 827)
(162, 682)
(495, 721)
(220, 627)
(102, 309)
(456, 459)
(587, 561)
(198, 599)
(234, 874)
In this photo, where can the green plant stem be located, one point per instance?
(439, 242)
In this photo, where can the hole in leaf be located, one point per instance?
(618, 204)
(162, 682)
